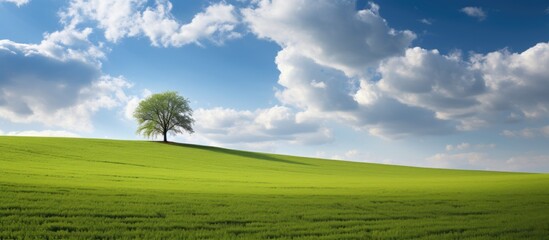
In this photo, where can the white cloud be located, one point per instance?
(475, 12)
(355, 155)
(229, 127)
(58, 82)
(43, 133)
(16, 2)
(130, 107)
(527, 132)
(30, 78)
(471, 93)
(301, 77)
(371, 80)
(528, 163)
(483, 161)
(517, 82)
(461, 146)
(133, 18)
(64, 45)
(465, 146)
(38, 87)
(524, 133)
(481, 157)
(361, 72)
(321, 71)
(217, 23)
(388, 118)
(105, 93)
(445, 85)
(351, 155)
(338, 99)
(117, 18)
(132, 103)
(426, 21)
(331, 33)
(466, 160)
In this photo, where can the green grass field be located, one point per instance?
(93, 189)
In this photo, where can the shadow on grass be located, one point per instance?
(254, 155)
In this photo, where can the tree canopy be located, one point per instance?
(164, 113)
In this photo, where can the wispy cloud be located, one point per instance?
(475, 12)
(484, 157)
(465, 145)
(426, 21)
(43, 133)
(16, 2)
(527, 132)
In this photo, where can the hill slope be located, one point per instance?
(89, 188)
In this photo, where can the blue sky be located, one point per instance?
(452, 84)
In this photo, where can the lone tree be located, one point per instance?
(164, 113)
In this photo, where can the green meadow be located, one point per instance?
(63, 188)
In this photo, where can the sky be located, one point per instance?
(446, 84)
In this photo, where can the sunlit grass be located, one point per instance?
(87, 188)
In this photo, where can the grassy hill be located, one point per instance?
(89, 188)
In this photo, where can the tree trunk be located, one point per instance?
(165, 137)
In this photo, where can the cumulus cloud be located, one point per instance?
(132, 103)
(453, 88)
(133, 18)
(323, 72)
(49, 82)
(332, 33)
(389, 118)
(64, 92)
(374, 81)
(311, 86)
(336, 63)
(497, 87)
(16, 2)
(65, 45)
(445, 85)
(58, 82)
(42, 133)
(226, 127)
(518, 82)
(326, 93)
(475, 12)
